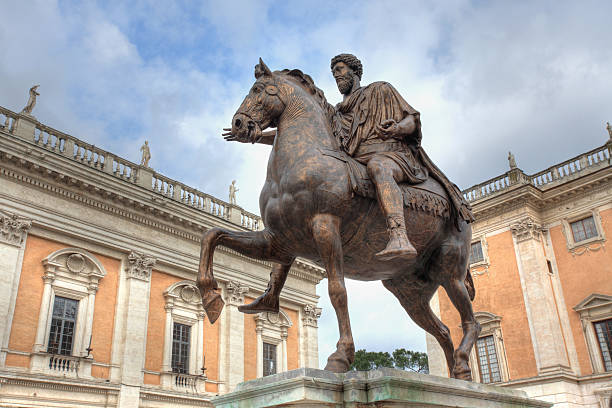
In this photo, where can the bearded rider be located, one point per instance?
(379, 129)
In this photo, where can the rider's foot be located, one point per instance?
(399, 246)
(265, 303)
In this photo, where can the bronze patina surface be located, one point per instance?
(350, 188)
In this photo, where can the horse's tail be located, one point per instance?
(469, 285)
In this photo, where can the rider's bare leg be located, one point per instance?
(385, 174)
(268, 301)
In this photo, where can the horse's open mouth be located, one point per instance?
(253, 132)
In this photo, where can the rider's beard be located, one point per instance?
(345, 84)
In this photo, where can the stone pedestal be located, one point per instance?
(25, 127)
(308, 387)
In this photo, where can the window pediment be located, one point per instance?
(593, 301)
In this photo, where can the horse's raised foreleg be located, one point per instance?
(254, 244)
(414, 296)
(458, 294)
(326, 234)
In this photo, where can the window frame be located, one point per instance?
(184, 306)
(485, 253)
(488, 362)
(491, 326)
(63, 319)
(264, 344)
(75, 274)
(609, 343)
(580, 247)
(181, 343)
(594, 308)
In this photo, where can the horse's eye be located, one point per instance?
(256, 89)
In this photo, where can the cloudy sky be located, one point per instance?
(487, 76)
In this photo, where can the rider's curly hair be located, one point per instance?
(350, 60)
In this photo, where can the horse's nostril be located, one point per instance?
(238, 123)
(251, 124)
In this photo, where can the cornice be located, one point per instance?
(104, 200)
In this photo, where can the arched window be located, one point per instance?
(183, 357)
(488, 357)
(272, 332)
(63, 335)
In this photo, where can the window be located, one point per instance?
(183, 354)
(476, 254)
(487, 360)
(488, 357)
(181, 338)
(71, 278)
(596, 317)
(269, 359)
(63, 323)
(603, 330)
(584, 229)
(584, 232)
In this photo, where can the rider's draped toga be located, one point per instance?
(354, 124)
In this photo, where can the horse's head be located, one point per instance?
(261, 107)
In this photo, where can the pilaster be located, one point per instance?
(25, 127)
(13, 233)
(544, 324)
(310, 347)
(137, 275)
(233, 364)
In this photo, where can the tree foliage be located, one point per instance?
(401, 359)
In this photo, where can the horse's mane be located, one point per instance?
(307, 83)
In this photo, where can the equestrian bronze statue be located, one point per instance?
(350, 188)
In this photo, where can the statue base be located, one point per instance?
(308, 387)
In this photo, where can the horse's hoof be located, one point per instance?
(213, 304)
(337, 363)
(264, 303)
(463, 375)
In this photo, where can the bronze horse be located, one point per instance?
(309, 210)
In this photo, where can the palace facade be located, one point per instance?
(543, 277)
(98, 307)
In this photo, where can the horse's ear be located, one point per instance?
(262, 69)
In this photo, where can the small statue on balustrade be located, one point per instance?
(609, 128)
(146, 154)
(31, 101)
(511, 161)
(232, 192)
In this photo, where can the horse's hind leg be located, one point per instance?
(257, 244)
(458, 294)
(414, 296)
(326, 234)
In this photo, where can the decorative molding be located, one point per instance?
(140, 266)
(593, 244)
(235, 292)
(310, 315)
(13, 228)
(526, 229)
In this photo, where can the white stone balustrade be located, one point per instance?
(572, 168)
(7, 120)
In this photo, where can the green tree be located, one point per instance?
(401, 358)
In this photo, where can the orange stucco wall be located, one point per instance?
(293, 340)
(250, 345)
(582, 275)
(156, 324)
(29, 297)
(499, 291)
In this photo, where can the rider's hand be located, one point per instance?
(228, 136)
(389, 129)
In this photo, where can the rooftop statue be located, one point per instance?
(609, 128)
(511, 161)
(232, 192)
(146, 154)
(350, 188)
(31, 100)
